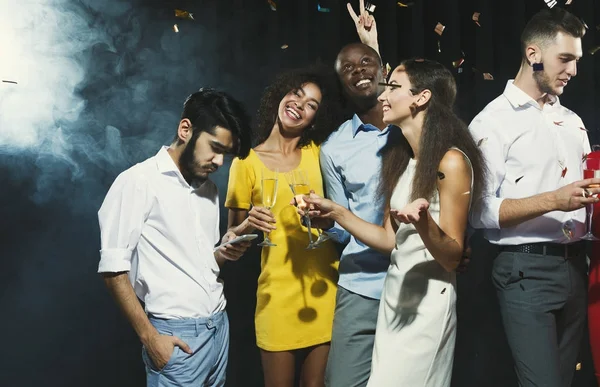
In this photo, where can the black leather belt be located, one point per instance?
(570, 250)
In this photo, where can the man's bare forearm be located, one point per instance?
(516, 211)
(122, 292)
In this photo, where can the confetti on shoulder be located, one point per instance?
(13, 82)
(272, 5)
(184, 14)
(482, 141)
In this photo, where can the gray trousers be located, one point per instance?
(543, 305)
(352, 339)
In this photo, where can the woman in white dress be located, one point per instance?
(431, 168)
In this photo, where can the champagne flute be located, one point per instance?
(298, 181)
(591, 169)
(269, 180)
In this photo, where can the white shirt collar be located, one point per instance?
(518, 98)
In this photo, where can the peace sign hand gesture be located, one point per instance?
(365, 25)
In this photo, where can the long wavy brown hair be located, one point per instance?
(442, 129)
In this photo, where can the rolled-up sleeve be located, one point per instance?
(122, 217)
(335, 191)
(485, 212)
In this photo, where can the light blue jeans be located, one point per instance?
(208, 339)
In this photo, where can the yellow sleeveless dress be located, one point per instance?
(296, 287)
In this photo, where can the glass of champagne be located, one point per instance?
(268, 183)
(591, 169)
(298, 180)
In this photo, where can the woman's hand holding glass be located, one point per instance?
(262, 219)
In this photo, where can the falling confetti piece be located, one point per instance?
(578, 366)
(564, 172)
(184, 14)
(568, 2)
(175, 28)
(443, 291)
(321, 9)
(370, 7)
(460, 70)
(441, 175)
(272, 5)
(480, 142)
(284, 46)
(550, 3)
(567, 229)
(584, 129)
(386, 70)
(594, 50)
(519, 179)
(559, 123)
(13, 82)
(488, 77)
(458, 63)
(405, 5)
(439, 28)
(439, 46)
(475, 18)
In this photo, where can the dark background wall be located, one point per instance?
(100, 86)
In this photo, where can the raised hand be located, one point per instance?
(365, 25)
(412, 212)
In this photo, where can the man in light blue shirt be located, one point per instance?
(350, 164)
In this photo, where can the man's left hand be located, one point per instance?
(231, 252)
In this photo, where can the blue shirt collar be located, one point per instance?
(357, 125)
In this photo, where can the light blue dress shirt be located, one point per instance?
(350, 164)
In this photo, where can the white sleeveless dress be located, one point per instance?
(416, 326)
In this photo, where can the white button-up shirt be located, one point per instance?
(161, 230)
(529, 150)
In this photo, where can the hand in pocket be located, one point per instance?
(160, 349)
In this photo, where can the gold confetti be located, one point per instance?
(272, 5)
(475, 18)
(175, 28)
(184, 14)
(386, 70)
(405, 5)
(488, 77)
(594, 50)
(370, 7)
(458, 63)
(578, 366)
(284, 46)
(439, 28)
(480, 142)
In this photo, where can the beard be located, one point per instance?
(188, 164)
(543, 82)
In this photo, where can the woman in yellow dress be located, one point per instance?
(296, 286)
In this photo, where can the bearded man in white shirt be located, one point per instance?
(534, 207)
(159, 223)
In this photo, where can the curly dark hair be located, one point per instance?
(328, 116)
